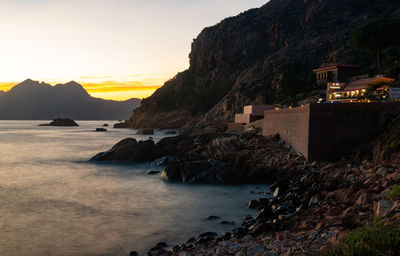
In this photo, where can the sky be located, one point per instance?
(117, 49)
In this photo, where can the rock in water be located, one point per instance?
(129, 150)
(212, 217)
(124, 124)
(101, 130)
(152, 172)
(171, 173)
(146, 132)
(61, 122)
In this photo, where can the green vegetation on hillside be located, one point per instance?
(377, 35)
(374, 239)
(394, 193)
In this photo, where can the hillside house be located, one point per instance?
(342, 84)
(356, 88)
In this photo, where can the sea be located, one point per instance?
(53, 201)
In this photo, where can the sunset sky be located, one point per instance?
(117, 49)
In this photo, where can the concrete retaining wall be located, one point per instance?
(326, 131)
(257, 110)
(291, 124)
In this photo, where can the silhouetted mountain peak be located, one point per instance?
(38, 100)
(73, 83)
(28, 85)
(72, 87)
(28, 82)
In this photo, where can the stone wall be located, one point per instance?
(327, 131)
(257, 110)
(291, 124)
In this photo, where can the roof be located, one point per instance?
(335, 65)
(365, 82)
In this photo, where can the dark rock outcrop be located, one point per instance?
(129, 150)
(61, 122)
(212, 158)
(146, 132)
(261, 56)
(124, 124)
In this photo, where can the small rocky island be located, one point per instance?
(61, 122)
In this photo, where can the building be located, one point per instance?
(354, 90)
(343, 86)
(335, 73)
(252, 113)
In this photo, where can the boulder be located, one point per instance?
(170, 132)
(253, 204)
(119, 152)
(129, 150)
(101, 130)
(146, 132)
(261, 227)
(61, 122)
(382, 171)
(212, 217)
(152, 172)
(382, 207)
(124, 124)
(226, 222)
(255, 250)
(171, 173)
(145, 151)
(223, 148)
(191, 169)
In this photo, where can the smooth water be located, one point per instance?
(54, 202)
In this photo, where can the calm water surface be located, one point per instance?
(54, 202)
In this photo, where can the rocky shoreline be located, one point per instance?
(313, 204)
(226, 159)
(310, 212)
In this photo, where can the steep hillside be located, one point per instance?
(31, 100)
(264, 55)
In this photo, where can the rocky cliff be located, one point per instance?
(264, 55)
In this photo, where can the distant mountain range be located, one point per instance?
(31, 100)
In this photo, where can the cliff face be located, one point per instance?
(259, 57)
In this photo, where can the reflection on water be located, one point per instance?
(53, 202)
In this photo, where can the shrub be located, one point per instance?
(373, 239)
(395, 193)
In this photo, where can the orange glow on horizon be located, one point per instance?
(6, 86)
(114, 90)
(110, 90)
